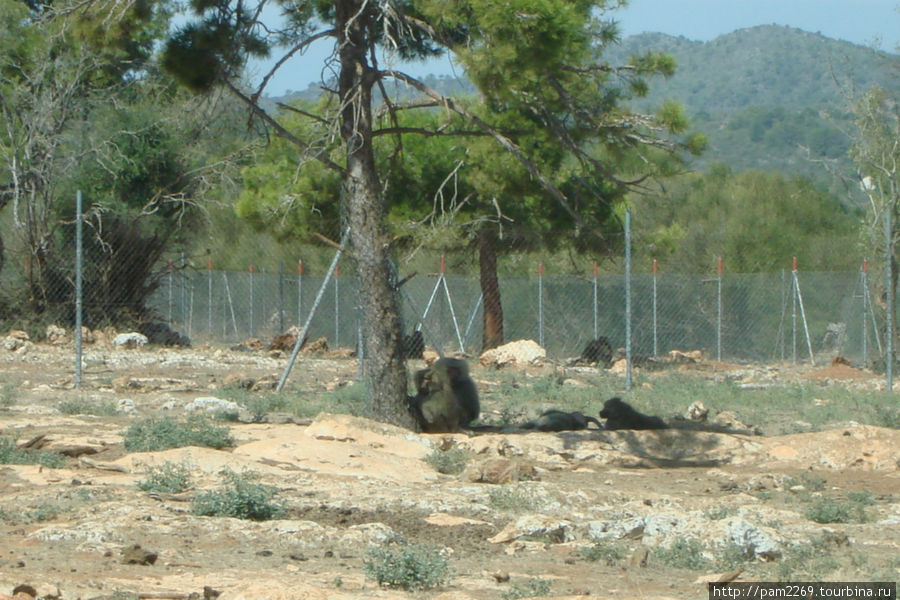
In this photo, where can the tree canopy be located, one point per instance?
(537, 65)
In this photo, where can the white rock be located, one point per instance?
(754, 540)
(212, 404)
(521, 352)
(130, 340)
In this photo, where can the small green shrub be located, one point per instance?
(863, 498)
(86, 407)
(8, 394)
(533, 588)
(259, 405)
(514, 498)
(10, 455)
(608, 551)
(720, 512)
(38, 514)
(830, 510)
(807, 562)
(887, 416)
(149, 435)
(167, 478)
(42, 512)
(683, 553)
(406, 566)
(448, 462)
(242, 498)
(810, 481)
(733, 556)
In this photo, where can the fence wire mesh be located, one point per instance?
(755, 317)
(758, 317)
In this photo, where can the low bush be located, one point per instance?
(683, 553)
(533, 588)
(11, 455)
(168, 478)
(607, 551)
(448, 462)
(407, 566)
(830, 510)
(242, 498)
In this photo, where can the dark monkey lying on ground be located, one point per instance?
(446, 397)
(620, 415)
(558, 420)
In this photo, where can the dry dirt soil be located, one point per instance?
(349, 484)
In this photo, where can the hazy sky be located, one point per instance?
(867, 22)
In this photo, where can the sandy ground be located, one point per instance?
(349, 484)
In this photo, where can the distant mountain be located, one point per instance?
(769, 97)
(767, 65)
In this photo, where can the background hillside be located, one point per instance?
(769, 97)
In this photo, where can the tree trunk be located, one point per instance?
(384, 367)
(492, 330)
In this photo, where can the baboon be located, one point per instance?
(620, 415)
(414, 345)
(558, 420)
(160, 333)
(598, 351)
(446, 397)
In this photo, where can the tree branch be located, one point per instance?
(290, 53)
(502, 139)
(319, 155)
(427, 132)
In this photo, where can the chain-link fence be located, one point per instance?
(759, 317)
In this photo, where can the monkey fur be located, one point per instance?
(446, 397)
(620, 415)
(558, 420)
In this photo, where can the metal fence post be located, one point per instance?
(78, 286)
(594, 306)
(628, 298)
(655, 324)
(719, 310)
(299, 292)
(303, 332)
(171, 267)
(251, 300)
(541, 305)
(209, 296)
(865, 333)
(889, 295)
(184, 318)
(280, 296)
(793, 316)
(337, 309)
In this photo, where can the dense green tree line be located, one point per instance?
(755, 221)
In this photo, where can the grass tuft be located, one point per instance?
(150, 435)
